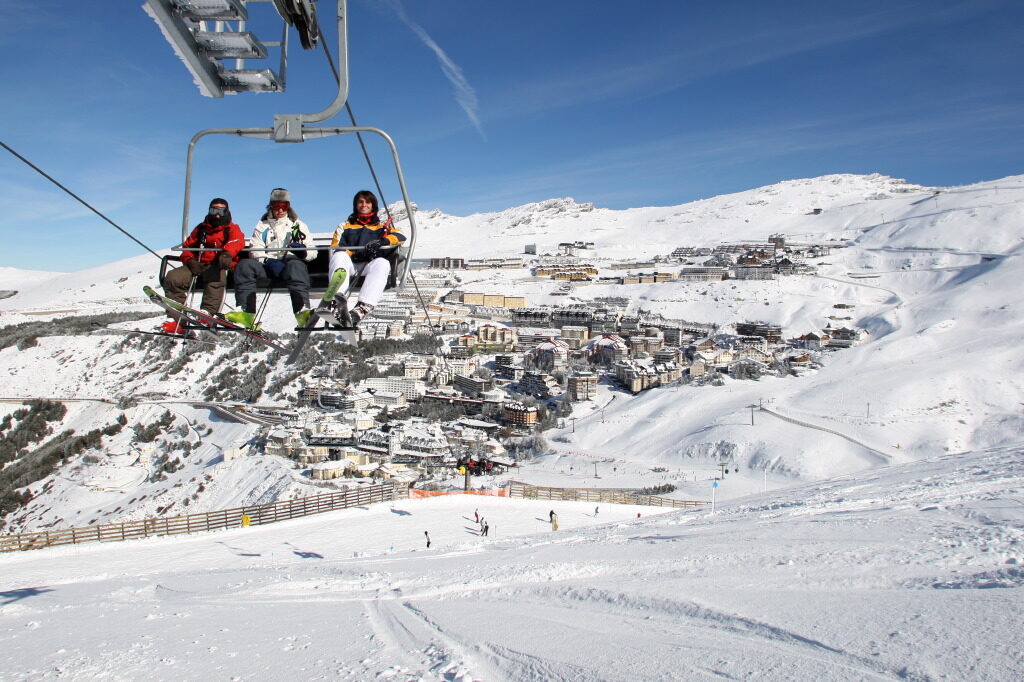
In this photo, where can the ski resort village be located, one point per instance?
(469, 370)
(508, 371)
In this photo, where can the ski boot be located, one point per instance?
(336, 313)
(360, 311)
(173, 327)
(242, 319)
(302, 316)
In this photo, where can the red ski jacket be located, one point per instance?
(205, 236)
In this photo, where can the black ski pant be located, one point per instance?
(249, 271)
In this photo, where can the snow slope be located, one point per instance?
(911, 572)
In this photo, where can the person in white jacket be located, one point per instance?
(289, 247)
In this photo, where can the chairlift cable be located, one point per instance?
(77, 198)
(380, 193)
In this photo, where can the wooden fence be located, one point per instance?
(254, 515)
(613, 496)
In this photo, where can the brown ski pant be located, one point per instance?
(177, 282)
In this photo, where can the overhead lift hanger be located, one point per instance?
(204, 33)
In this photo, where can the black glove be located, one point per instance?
(224, 260)
(274, 267)
(298, 249)
(372, 248)
(194, 266)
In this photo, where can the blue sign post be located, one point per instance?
(714, 486)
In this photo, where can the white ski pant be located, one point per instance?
(375, 275)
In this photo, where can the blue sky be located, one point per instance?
(493, 105)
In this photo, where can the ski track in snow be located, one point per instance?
(800, 584)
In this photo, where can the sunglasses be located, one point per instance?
(218, 210)
(283, 205)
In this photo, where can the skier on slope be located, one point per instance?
(224, 240)
(363, 229)
(281, 229)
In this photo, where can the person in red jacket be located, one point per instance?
(221, 241)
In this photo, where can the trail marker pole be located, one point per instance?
(714, 486)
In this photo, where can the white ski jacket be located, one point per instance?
(272, 234)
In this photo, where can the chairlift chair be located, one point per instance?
(183, 25)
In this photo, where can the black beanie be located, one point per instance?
(221, 201)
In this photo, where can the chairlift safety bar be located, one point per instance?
(296, 128)
(307, 132)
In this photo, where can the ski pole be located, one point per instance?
(191, 288)
(263, 304)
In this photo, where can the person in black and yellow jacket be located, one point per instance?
(363, 229)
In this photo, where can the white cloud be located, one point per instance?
(465, 95)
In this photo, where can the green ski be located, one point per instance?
(204, 322)
(324, 309)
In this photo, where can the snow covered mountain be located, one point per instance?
(928, 272)
(869, 504)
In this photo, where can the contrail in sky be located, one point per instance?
(464, 93)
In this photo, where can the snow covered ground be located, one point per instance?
(911, 572)
(870, 527)
(930, 273)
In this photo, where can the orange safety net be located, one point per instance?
(437, 493)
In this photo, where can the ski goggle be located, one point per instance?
(218, 210)
(280, 205)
